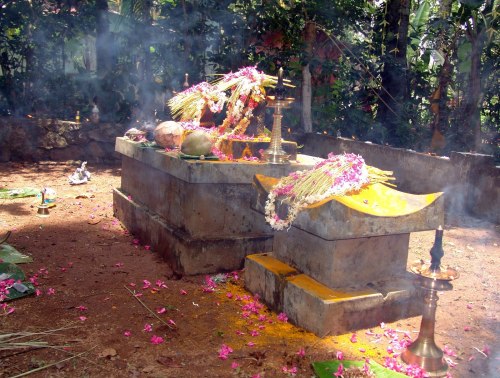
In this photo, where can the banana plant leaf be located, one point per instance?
(12, 271)
(327, 369)
(9, 254)
(197, 157)
(18, 193)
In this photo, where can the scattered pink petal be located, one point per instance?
(382, 325)
(82, 318)
(161, 284)
(486, 350)
(293, 370)
(447, 350)
(183, 292)
(235, 365)
(340, 371)
(38, 292)
(148, 327)
(170, 321)
(156, 340)
(339, 355)
(147, 247)
(250, 343)
(469, 306)
(301, 352)
(127, 333)
(254, 333)
(282, 317)
(224, 351)
(229, 295)
(7, 309)
(135, 241)
(362, 350)
(354, 338)
(146, 284)
(51, 291)
(81, 308)
(161, 310)
(129, 198)
(467, 328)
(131, 284)
(119, 264)
(239, 333)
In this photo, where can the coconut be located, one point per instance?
(169, 134)
(197, 143)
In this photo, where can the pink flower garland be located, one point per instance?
(336, 176)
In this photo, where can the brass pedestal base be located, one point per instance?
(427, 355)
(423, 351)
(43, 211)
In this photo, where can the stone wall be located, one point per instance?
(471, 182)
(25, 139)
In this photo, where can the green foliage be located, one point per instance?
(326, 369)
(151, 46)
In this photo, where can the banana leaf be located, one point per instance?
(326, 369)
(9, 254)
(12, 271)
(197, 157)
(18, 193)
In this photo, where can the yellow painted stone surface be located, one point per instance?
(377, 199)
(321, 291)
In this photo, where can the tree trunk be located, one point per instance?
(439, 100)
(309, 39)
(306, 99)
(394, 93)
(476, 34)
(103, 39)
(474, 94)
(147, 72)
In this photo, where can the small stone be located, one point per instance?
(149, 369)
(108, 353)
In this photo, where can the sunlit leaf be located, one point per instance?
(326, 369)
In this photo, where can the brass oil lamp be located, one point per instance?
(432, 277)
(275, 153)
(43, 208)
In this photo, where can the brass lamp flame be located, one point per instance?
(432, 278)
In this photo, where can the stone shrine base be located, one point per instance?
(325, 311)
(342, 265)
(186, 254)
(197, 214)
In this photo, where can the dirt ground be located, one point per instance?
(118, 308)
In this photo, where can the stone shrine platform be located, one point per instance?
(342, 265)
(197, 214)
